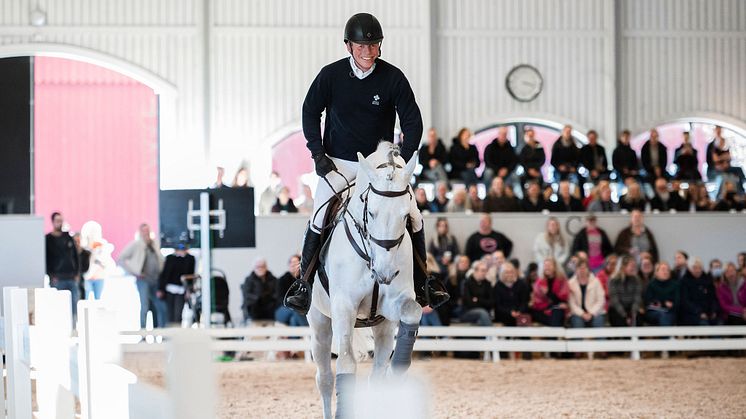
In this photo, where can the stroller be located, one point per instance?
(220, 316)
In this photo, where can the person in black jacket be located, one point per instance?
(443, 246)
(532, 158)
(687, 162)
(177, 264)
(533, 200)
(486, 240)
(565, 201)
(699, 304)
(665, 200)
(432, 157)
(624, 159)
(593, 158)
(510, 296)
(654, 157)
(594, 241)
(284, 204)
(477, 297)
(499, 157)
(259, 293)
(566, 157)
(62, 262)
(464, 158)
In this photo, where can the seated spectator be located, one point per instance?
(511, 296)
(550, 244)
(664, 200)
(741, 261)
(549, 296)
(625, 294)
(459, 203)
(654, 158)
(486, 240)
(474, 202)
(283, 314)
(420, 198)
(440, 201)
(594, 241)
(698, 198)
(464, 158)
(728, 173)
(532, 158)
(587, 298)
(456, 278)
(624, 159)
(477, 297)
(634, 199)
(566, 157)
(500, 159)
(647, 271)
(661, 297)
(443, 246)
(680, 265)
(533, 201)
(608, 271)
(430, 316)
(604, 202)
(432, 157)
(494, 263)
(687, 162)
(716, 270)
(699, 304)
(636, 239)
(532, 274)
(593, 158)
(304, 203)
(259, 293)
(729, 200)
(565, 201)
(500, 198)
(283, 203)
(179, 263)
(731, 295)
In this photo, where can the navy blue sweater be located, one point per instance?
(360, 113)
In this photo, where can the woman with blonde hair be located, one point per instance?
(549, 295)
(550, 243)
(634, 199)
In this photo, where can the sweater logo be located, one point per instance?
(376, 100)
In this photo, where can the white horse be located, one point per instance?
(375, 221)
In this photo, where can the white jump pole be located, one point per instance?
(190, 375)
(51, 353)
(16, 324)
(206, 273)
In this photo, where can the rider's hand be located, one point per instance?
(323, 164)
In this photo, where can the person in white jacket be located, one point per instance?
(587, 299)
(551, 243)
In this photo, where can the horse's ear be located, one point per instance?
(369, 171)
(411, 165)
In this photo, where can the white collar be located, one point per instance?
(360, 74)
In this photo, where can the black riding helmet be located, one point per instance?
(363, 28)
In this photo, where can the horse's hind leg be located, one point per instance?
(343, 323)
(384, 346)
(321, 349)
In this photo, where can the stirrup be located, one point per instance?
(298, 297)
(435, 293)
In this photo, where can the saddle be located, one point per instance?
(332, 219)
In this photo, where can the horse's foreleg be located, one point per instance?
(411, 312)
(383, 335)
(321, 349)
(343, 323)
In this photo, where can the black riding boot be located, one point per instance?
(298, 297)
(428, 289)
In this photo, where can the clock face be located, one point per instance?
(524, 83)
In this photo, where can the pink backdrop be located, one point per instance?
(96, 148)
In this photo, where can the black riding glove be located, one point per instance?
(323, 164)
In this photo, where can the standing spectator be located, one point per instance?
(268, 198)
(177, 265)
(624, 159)
(283, 314)
(84, 264)
(549, 296)
(593, 158)
(432, 157)
(566, 202)
(477, 297)
(62, 262)
(440, 200)
(566, 157)
(636, 239)
(100, 264)
(533, 201)
(731, 295)
(685, 141)
(654, 156)
(475, 203)
(259, 293)
(532, 158)
(219, 179)
(511, 296)
(242, 179)
(587, 299)
(717, 150)
(142, 259)
(699, 304)
(687, 162)
(486, 240)
(665, 200)
(662, 297)
(594, 241)
(604, 202)
(550, 244)
(634, 199)
(500, 198)
(625, 294)
(459, 203)
(443, 246)
(284, 204)
(464, 158)
(680, 265)
(304, 203)
(499, 157)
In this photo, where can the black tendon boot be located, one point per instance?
(429, 290)
(298, 297)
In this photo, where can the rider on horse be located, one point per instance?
(362, 95)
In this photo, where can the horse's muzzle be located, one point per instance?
(383, 280)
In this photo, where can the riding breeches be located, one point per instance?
(324, 193)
